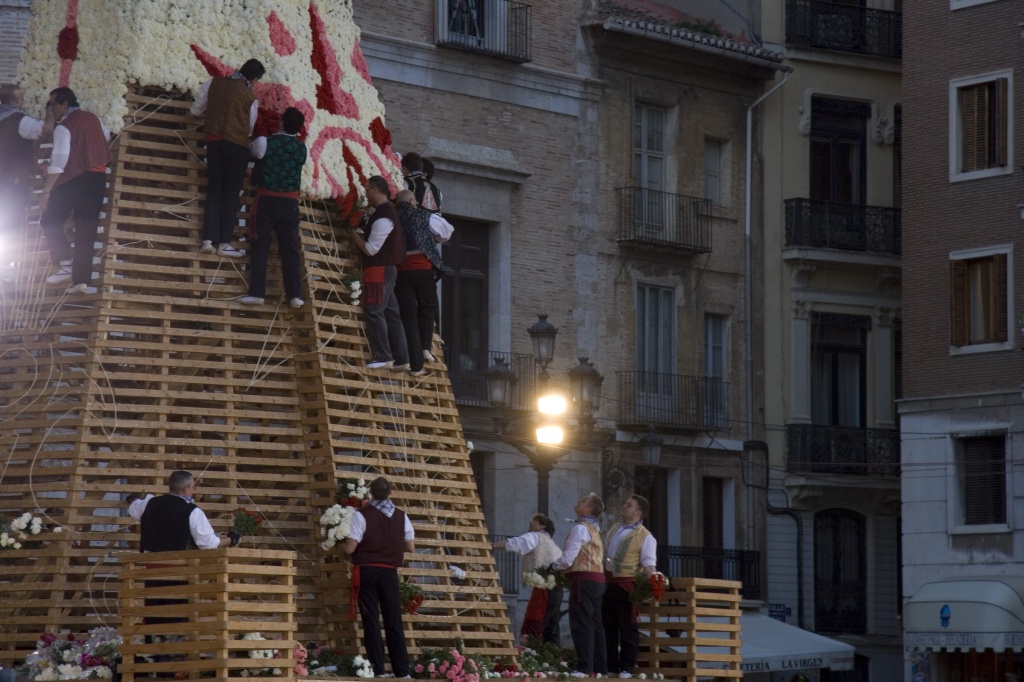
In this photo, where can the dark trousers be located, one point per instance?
(81, 197)
(280, 216)
(225, 171)
(379, 596)
(384, 328)
(585, 624)
(416, 292)
(14, 195)
(553, 617)
(620, 632)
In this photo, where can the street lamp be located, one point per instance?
(585, 388)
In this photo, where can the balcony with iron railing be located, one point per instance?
(848, 450)
(673, 401)
(500, 28)
(724, 564)
(845, 28)
(673, 221)
(466, 371)
(847, 227)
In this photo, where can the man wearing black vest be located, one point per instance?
(173, 522)
(381, 535)
(17, 131)
(383, 250)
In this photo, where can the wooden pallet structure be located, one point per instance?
(694, 631)
(160, 368)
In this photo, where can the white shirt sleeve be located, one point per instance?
(358, 528)
(30, 128)
(254, 113)
(198, 107)
(409, 532)
(523, 544)
(61, 150)
(258, 147)
(379, 231)
(441, 228)
(649, 552)
(574, 541)
(136, 508)
(202, 531)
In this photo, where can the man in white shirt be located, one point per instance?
(17, 132)
(173, 522)
(544, 609)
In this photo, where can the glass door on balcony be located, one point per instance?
(838, 353)
(656, 399)
(713, 394)
(838, 147)
(464, 304)
(840, 572)
(649, 169)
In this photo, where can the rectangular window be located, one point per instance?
(978, 298)
(656, 391)
(714, 395)
(838, 149)
(838, 376)
(980, 126)
(982, 471)
(464, 315)
(649, 165)
(713, 171)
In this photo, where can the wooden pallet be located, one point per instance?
(106, 393)
(694, 631)
(224, 595)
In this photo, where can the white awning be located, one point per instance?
(966, 613)
(769, 645)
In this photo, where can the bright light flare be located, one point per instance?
(552, 404)
(550, 435)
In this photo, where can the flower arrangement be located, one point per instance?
(15, 531)
(260, 655)
(545, 577)
(323, 660)
(299, 655)
(649, 587)
(451, 664)
(354, 284)
(246, 522)
(71, 658)
(411, 595)
(336, 522)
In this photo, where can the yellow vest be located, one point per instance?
(227, 110)
(591, 554)
(626, 562)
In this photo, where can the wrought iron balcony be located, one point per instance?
(647, 216)
(840, 608)
(496, 27)
(847, 227)
(469, 384)
(673, 401)
(842, 450)
(723, 564)
(847, 28)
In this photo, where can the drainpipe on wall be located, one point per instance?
(752, 445)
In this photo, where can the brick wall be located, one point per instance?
(940, 216)
(14, 16)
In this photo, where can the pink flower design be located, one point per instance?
(280, 37)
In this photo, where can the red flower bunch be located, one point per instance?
(658, 584)
(246, 522)
(411, 595)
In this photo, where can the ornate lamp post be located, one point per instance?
(585, 387)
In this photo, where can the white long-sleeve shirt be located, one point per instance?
(440, 228)
(574, 541)
(359, 528)
(202, 532)
(379, 231)
(648, 551)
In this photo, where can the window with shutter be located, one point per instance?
(978, 298)
(980, 126)
(983, 480)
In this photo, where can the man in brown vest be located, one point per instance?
(582, 560)
(75, 185)
(17, 131)
(381, 535)
(383, 250)
(231, 110)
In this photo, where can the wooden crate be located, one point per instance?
(221, 595)
(694, 631)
